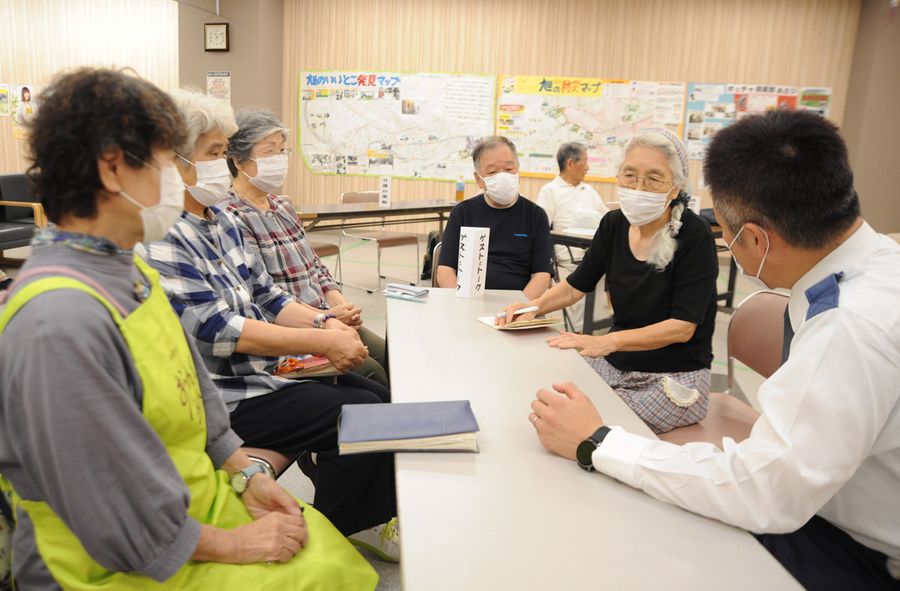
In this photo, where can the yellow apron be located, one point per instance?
(173, 406)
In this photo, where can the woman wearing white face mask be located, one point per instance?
(660, 264)
(114, 454)
(245, 325)
(275, 234)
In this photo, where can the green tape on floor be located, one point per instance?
(737, 365)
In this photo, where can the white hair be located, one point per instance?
(202, 114)
(662, 250)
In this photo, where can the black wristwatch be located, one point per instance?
(585, 450)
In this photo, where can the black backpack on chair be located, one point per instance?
(433, 239)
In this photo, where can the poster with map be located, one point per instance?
(539, 113)
(712, 107)
(422, 126)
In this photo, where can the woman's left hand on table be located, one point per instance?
(589, 345)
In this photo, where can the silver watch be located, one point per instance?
(241, 480)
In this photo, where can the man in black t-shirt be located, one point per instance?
(519, 253)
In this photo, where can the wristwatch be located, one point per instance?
(320, 320)
(585, 451)
(241, 480)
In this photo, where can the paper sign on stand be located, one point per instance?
(471, 272)
(384, 191)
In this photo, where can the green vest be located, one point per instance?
(173, 406)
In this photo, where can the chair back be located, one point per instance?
(435, 261)
(756, 332)
(15, 187)
(359, 197)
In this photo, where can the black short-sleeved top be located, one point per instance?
(519, 241)
(641, 295)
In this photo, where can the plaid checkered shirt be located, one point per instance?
(214, 284)
(278, 238)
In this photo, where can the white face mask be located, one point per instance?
(754, 279)
(502, 187)
(213, 180)
(157, 219)
(642, 207)
(270, 172)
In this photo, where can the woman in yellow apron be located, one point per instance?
(124, 471)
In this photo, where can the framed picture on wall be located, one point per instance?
(215, 36)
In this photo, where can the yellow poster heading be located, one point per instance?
(560, 85)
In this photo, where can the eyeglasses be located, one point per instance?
(652, 182)
(266, 153)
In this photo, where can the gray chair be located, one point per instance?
(20, 215)
(755, 337)
(435, 259)
(382, 238)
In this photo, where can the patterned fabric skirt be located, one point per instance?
(664, 401)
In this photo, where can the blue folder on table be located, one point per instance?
(408, 426)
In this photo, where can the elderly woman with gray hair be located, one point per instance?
(660, 263)
(258, 160)
(245, 326)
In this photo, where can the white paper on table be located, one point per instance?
(539, 322)
(471, 266)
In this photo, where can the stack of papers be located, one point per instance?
(522, 324)
(409, 426)
(401, 291)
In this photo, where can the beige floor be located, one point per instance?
(358, 262)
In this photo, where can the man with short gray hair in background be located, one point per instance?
(571, 203)
(519, 254)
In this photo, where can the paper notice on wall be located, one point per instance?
(23, 107)
(4, 100)
(384, 192)
(712, 107)
(471, 270)
(218, 84)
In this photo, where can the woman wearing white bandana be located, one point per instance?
(660, 264)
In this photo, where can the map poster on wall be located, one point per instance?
(711, 107)
(539, 113)
(389, 124)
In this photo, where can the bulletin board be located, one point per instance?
(539, 113)
(712, 107)
(421, 126)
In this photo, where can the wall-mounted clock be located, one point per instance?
(215, 36)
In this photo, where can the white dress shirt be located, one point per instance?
(828, 440)
(570, 206)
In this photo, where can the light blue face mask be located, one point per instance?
(754, 279)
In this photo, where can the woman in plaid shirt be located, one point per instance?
(273, 232)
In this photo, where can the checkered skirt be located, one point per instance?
(664, 401)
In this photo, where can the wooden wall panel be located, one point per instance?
(791, 42)
(42, 37)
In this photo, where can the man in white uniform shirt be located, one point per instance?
(571, 203)
(818, 479)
